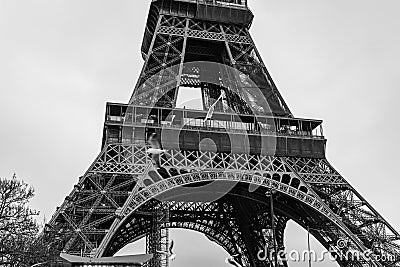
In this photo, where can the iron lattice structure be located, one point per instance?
(126, 194)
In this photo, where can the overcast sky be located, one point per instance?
(62, 60)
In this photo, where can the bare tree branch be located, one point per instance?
(18, 229)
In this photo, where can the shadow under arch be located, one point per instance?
(208, 229)
(302, 206)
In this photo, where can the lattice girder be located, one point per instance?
(194, 216)
(260, 172)
(167, 53)
(364, 221)
(106, 198)
(116, 201)
(91, 207)
(217, 220)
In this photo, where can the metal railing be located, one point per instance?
(226, 3)
(194, 120)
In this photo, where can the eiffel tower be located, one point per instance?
(236, 166)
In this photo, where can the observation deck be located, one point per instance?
(237, 4)
(224, 11)
(230, 12)
(184, 129)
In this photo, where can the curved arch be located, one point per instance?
(212, 229)
(309, 199)
(207, 229)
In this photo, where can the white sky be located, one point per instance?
(62, 60)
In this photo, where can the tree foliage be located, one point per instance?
(18, 228)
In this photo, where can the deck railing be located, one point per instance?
(227, 3)
(194, 120)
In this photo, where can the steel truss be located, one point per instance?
(158, 238)
(163, 68)
(124, 196)
(109, 209)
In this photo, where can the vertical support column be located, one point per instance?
(234, 86)
(182, 61)
(227, 46)
(271, 197)
(158, 239)
(163, 65)
(246, 58)
(143, 71)
(248, 227)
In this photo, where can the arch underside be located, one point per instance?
(309, 191)
(271, 173)
(236, 222)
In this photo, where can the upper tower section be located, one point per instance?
(220, 11)
(203, 78)
(202, 50)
